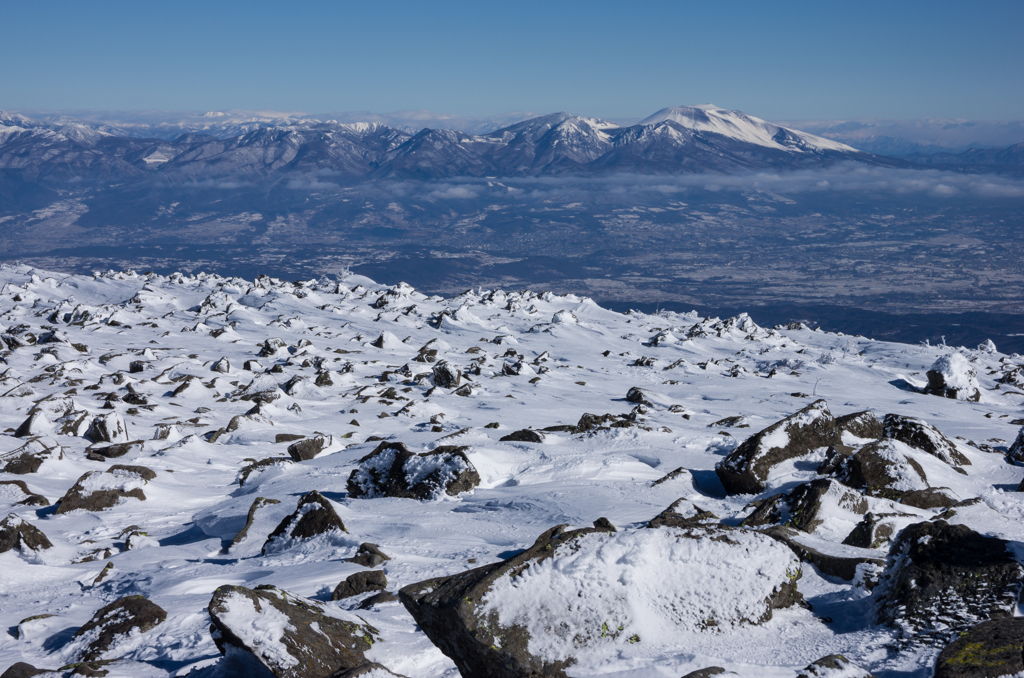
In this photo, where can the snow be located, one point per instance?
(195, 505)
(261, 629)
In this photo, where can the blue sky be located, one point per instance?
(785, 60)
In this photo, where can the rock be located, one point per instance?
(682, 513)
(96, 491)
(118, 449)
(638, 395)
(467, 615)
(523, 436)
(987, 650)
(369, 555)
(360, 582)
(287, 437)
(271, 346)
(940, 579)
(885, 469)
(834, 666)
(709, 672)
(309, 639)
(377, 599)
(313, 516)
(446, 375)
(223, 366)
(391, 470)
(15, 533)
(1016, 451)
(35, 425)
(259, 467)
(682, 474)
(806, 506)
(745, 469)
(29, 457)
(371, 670)
(308, 448)
(257, 504)
(861, 424)
(876, 531)
(124, 618)
(921, 435)
(835, 455)
(75, 423)
(830, 558)
(953, 377)
(23, 670)
(32, 499)
(107, 428)
(594, 422)
(252, 366)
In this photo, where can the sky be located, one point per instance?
(777, 60)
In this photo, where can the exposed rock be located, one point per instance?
(921, 435)
(310, 639)
(377, 599)
(371, 670)
(23, 670)
(592, 422)
(639, 395)
(31, 499)
(805, 506)
(876, 531)
(75, 423)
(940, 579)
(96, 491)
(257, 504)
(307, 448)
(391, 470)
(107, 428)
(113, 623)
(313, 516)
(883, 469)
(35, 425)
(271, 346)
(835, 455)
(223, 366)
(709, 672)
(990, 649)
(682, 513)
(29, 457)
(523, 436)
(830, 558)
(369, 555)
(462, 614)
(15, 533)
(861, 424)
(681, 473)
(118, 449)
(745, 469)
(446, 375)
(360, 582)
(1016, 451)
(834, 666)
(260, 466)
(953, 377)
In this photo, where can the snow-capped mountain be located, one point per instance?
(674, 140)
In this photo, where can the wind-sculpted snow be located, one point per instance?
(180, 421)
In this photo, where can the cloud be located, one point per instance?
(457, 192)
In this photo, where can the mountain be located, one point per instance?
(673, 141)
(1010, 157)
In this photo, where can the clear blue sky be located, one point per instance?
(777, 60)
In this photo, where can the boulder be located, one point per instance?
(259, 467)
(952, 376)
(293, 637)
(23, 670)
(307, 448)
(594, 422)
(96, 491)
(35, 425)
(369, 555)
(640, 396)
(682, 513)
(745, 470)
(107, 428)
(360, 582)
(887, 469)
(222, 366)
(523, 436)
(709, 672)
(861, 424)
(808, 505)
(391, 470)
(446, 375)
(117, 449)
(834, 666)
(75, 423)
(31, 498)
(15, 533)
(377, 599)
(921, 435)
(120, 620)
(940, 579)
(371, 670)
(313, 516)
(835, 560)
(489, 622)
(271, 346)
(257, 504)
(875, 531)
(29, 457)
(1016, 451)
(986, 650)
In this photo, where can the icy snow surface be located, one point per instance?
(177, 327)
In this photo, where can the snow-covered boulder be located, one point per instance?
(124, 619)
(446, 375)
(577, 592)
(861, 425)
(991, 648)
(30, 456)
(953, 377)
(888, 469)
(307, 448)
(314, 516)
(294, 637)
(745, 470)
(96, 491)
(940, 579)
(15, 533)
(108, 428)
(1016, 451)
(391, 470)
(823, 503)
(921, 435)
(682, 513)
(834, 666)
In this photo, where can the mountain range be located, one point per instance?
(675, 140)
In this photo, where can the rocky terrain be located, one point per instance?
(213, 476)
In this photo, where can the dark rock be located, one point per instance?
(377, 599)
(873, 531)
(271, 346)
(882, 470)
(308, 448)
(990, 649)
(108, 493)
(146, 474)
(257, 503)
(316, 641)
(73, 423)
(592, 422)
(29, 457)
(1016, 451)
(287, 437)
(834, 666)
(360, 582)
(523, 436)
(23, 670)
(835, 455)
(832, 562)
(940, 579)
(369, 555)
(136, 366)
(32, 499)
(305, 523)
(745, 469)
(222, 366)
(639, 395)
(35, 425)
(681, 513)
(446, 375)
(921, 435)
(801, 507)
(371, 670)
(953, 377)
(709, 672)
(125, 617)
(861, 424)
(391, 470)
(15, 533)
(107, 428)
(260, 466)
(118, 449)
